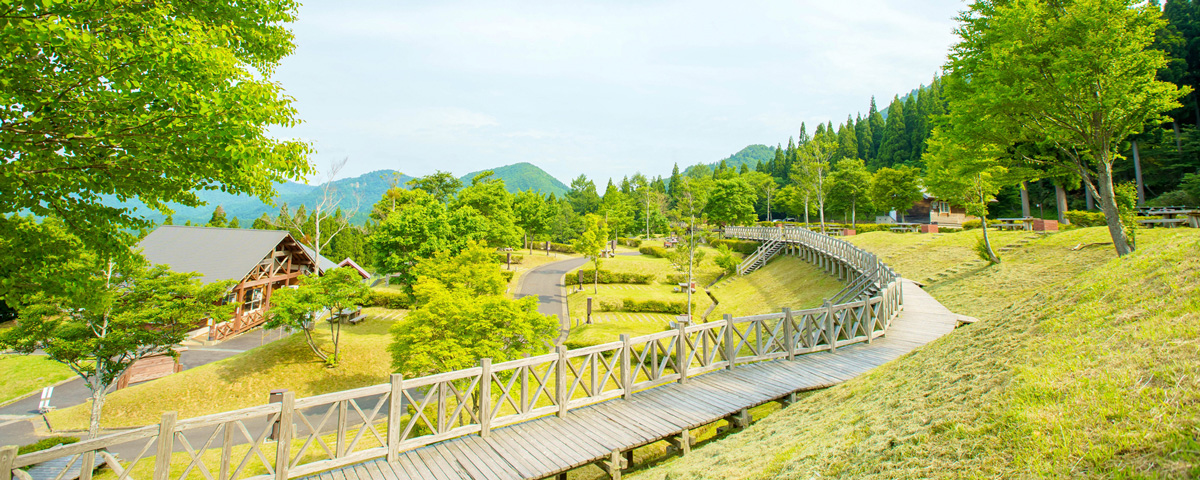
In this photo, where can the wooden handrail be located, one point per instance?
(410, 413)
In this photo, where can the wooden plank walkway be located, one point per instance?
(549, 445)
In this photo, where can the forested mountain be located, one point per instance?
(519, 177)
(357, 194)
(749, 156)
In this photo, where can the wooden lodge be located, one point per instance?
(261, 261)
(932, 211)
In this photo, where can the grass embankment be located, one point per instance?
(246, 379)
(26, 374)
(1082, 365)
(922, 257)
(784, 282)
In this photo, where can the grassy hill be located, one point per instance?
(1082, 365)
(524, 176)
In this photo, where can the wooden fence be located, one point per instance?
(298, 437)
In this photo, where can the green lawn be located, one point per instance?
(921, 256)
(610, 330)
(26, 374)
(705, 271)
(1082, 365)
(784, 282)
(246, 379)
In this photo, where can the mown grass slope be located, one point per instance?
(246, 379)
(26, 374)
(1082, 365)
(783, 282)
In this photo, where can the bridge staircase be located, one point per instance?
(760, 257)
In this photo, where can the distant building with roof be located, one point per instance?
(260, 261)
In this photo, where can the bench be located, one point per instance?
(1163, 222)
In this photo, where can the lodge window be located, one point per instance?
(253, 300)
(942, 207)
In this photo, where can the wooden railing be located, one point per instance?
(342, 428)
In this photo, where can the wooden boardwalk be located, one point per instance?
(551, 445)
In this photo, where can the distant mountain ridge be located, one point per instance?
(750, 156)
(358, 195)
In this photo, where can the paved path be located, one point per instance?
(546, 282)
(551, 445)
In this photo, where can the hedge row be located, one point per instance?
(644, 306)
(629, 242)
(388, 298)
(744, 247)
(607, 277)
(653, 251)
(554, 247)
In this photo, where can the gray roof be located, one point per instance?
(216, 253)
(324, 264)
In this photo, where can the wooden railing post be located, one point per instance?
(7, 455)
(560, 383)
(485, 397)
(789, 335)
(730, 348)
(626, 368)
(830, 324)
(343, 410)
(166, 443)
(283, 446)
(395, 414)
(681, 352)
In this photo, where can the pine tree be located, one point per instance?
(862, 133)
(235, 223)
(914, 128)
(877, 126)
(895, 149)
(847, 141)
(218, 218)
(744, 169)
(775, 168)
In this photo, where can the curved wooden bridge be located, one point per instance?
(542, 416)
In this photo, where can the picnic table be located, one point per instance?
(906, 227)
(1015, 223)
(1171, 217)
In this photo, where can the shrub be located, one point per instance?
(676, 278)
(653, 251)
(981, 250)
(388, 298)
(725, 259)
(1084, 218)
(871, 227)
(972, 224)
(554, 247)
(629, 242)
(502, 257)
(46, 443)
(744, 247)
(507, 275)
(608, 277)
(644, 306)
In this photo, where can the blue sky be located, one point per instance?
(600, 88)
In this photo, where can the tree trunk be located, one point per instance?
(1108, 204)
(1087, 195)
(769, 204)
(1137, 169)
(988, 243)
(1025, 199)
(806, 210)
(1178, 142)
(853, 215)
(1060, 198)
(336, 343)
(98, 394)
(821, 205)
(596, 278)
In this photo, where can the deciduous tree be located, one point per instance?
(319, 299)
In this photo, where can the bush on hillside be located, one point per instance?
(629, 242)
(870, 227)
(1084, 218)
(972, 224)
(388, 298)
(502, 257)
(607, 277)
(744, 247)
(507, 275)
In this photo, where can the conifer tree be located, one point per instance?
(877, 124)
(775, 168)
(914, 127)
(862, 133)
(847, 141)
(218, 218)
(895, 148)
